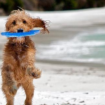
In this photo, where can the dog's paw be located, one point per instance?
(36, 74)
(13, 89)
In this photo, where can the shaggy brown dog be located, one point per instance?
(19, 57)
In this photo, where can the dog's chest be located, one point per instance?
(20, 53)
(19, 48)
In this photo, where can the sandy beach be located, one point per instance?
(64, 82)
(66, 85)
(71, 85)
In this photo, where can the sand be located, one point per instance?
(65, 85)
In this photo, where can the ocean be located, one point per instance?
(84, 47)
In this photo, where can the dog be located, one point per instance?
(19, 57)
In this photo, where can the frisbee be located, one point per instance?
(20, 34)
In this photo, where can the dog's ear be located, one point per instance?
(7, 25)
(37, 22)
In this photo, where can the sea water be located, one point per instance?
(84, 47)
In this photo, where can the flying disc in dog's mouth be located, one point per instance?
(20, 34)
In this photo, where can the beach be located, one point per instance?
(71, 85)
(66, 85)
(75, 81)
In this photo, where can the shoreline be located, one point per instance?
(71, 63)
(62, 35)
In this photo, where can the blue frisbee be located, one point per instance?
(20, 34)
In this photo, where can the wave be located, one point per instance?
(70, 47)
(83, 48)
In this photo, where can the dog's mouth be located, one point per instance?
(20, 30)
(19, 39)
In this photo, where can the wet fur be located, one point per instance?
(19, 57)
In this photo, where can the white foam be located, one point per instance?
(84, 17)
(70, 47)
(72, 50)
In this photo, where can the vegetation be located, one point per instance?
(50, 5)
(66, 4)
(9, 5)
(69, 4)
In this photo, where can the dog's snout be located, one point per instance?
(20, 30)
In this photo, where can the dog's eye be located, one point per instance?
(24, 22)
(14, 22)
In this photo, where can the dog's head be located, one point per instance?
(19, 21)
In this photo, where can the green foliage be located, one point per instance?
(50, 5)
(67, 4)
(10, 5)
(78, 4)
(70, 4)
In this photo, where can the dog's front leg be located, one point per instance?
(9, 84)
(31, 69)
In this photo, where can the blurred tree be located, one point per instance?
(67, 4)
(46, 4)
(100, 3)
(82, 4)
(9, 5)
(30, 4)
(70, 4)
(95, 3)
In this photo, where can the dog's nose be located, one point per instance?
(20, 30)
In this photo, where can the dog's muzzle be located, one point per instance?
(20, 30)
